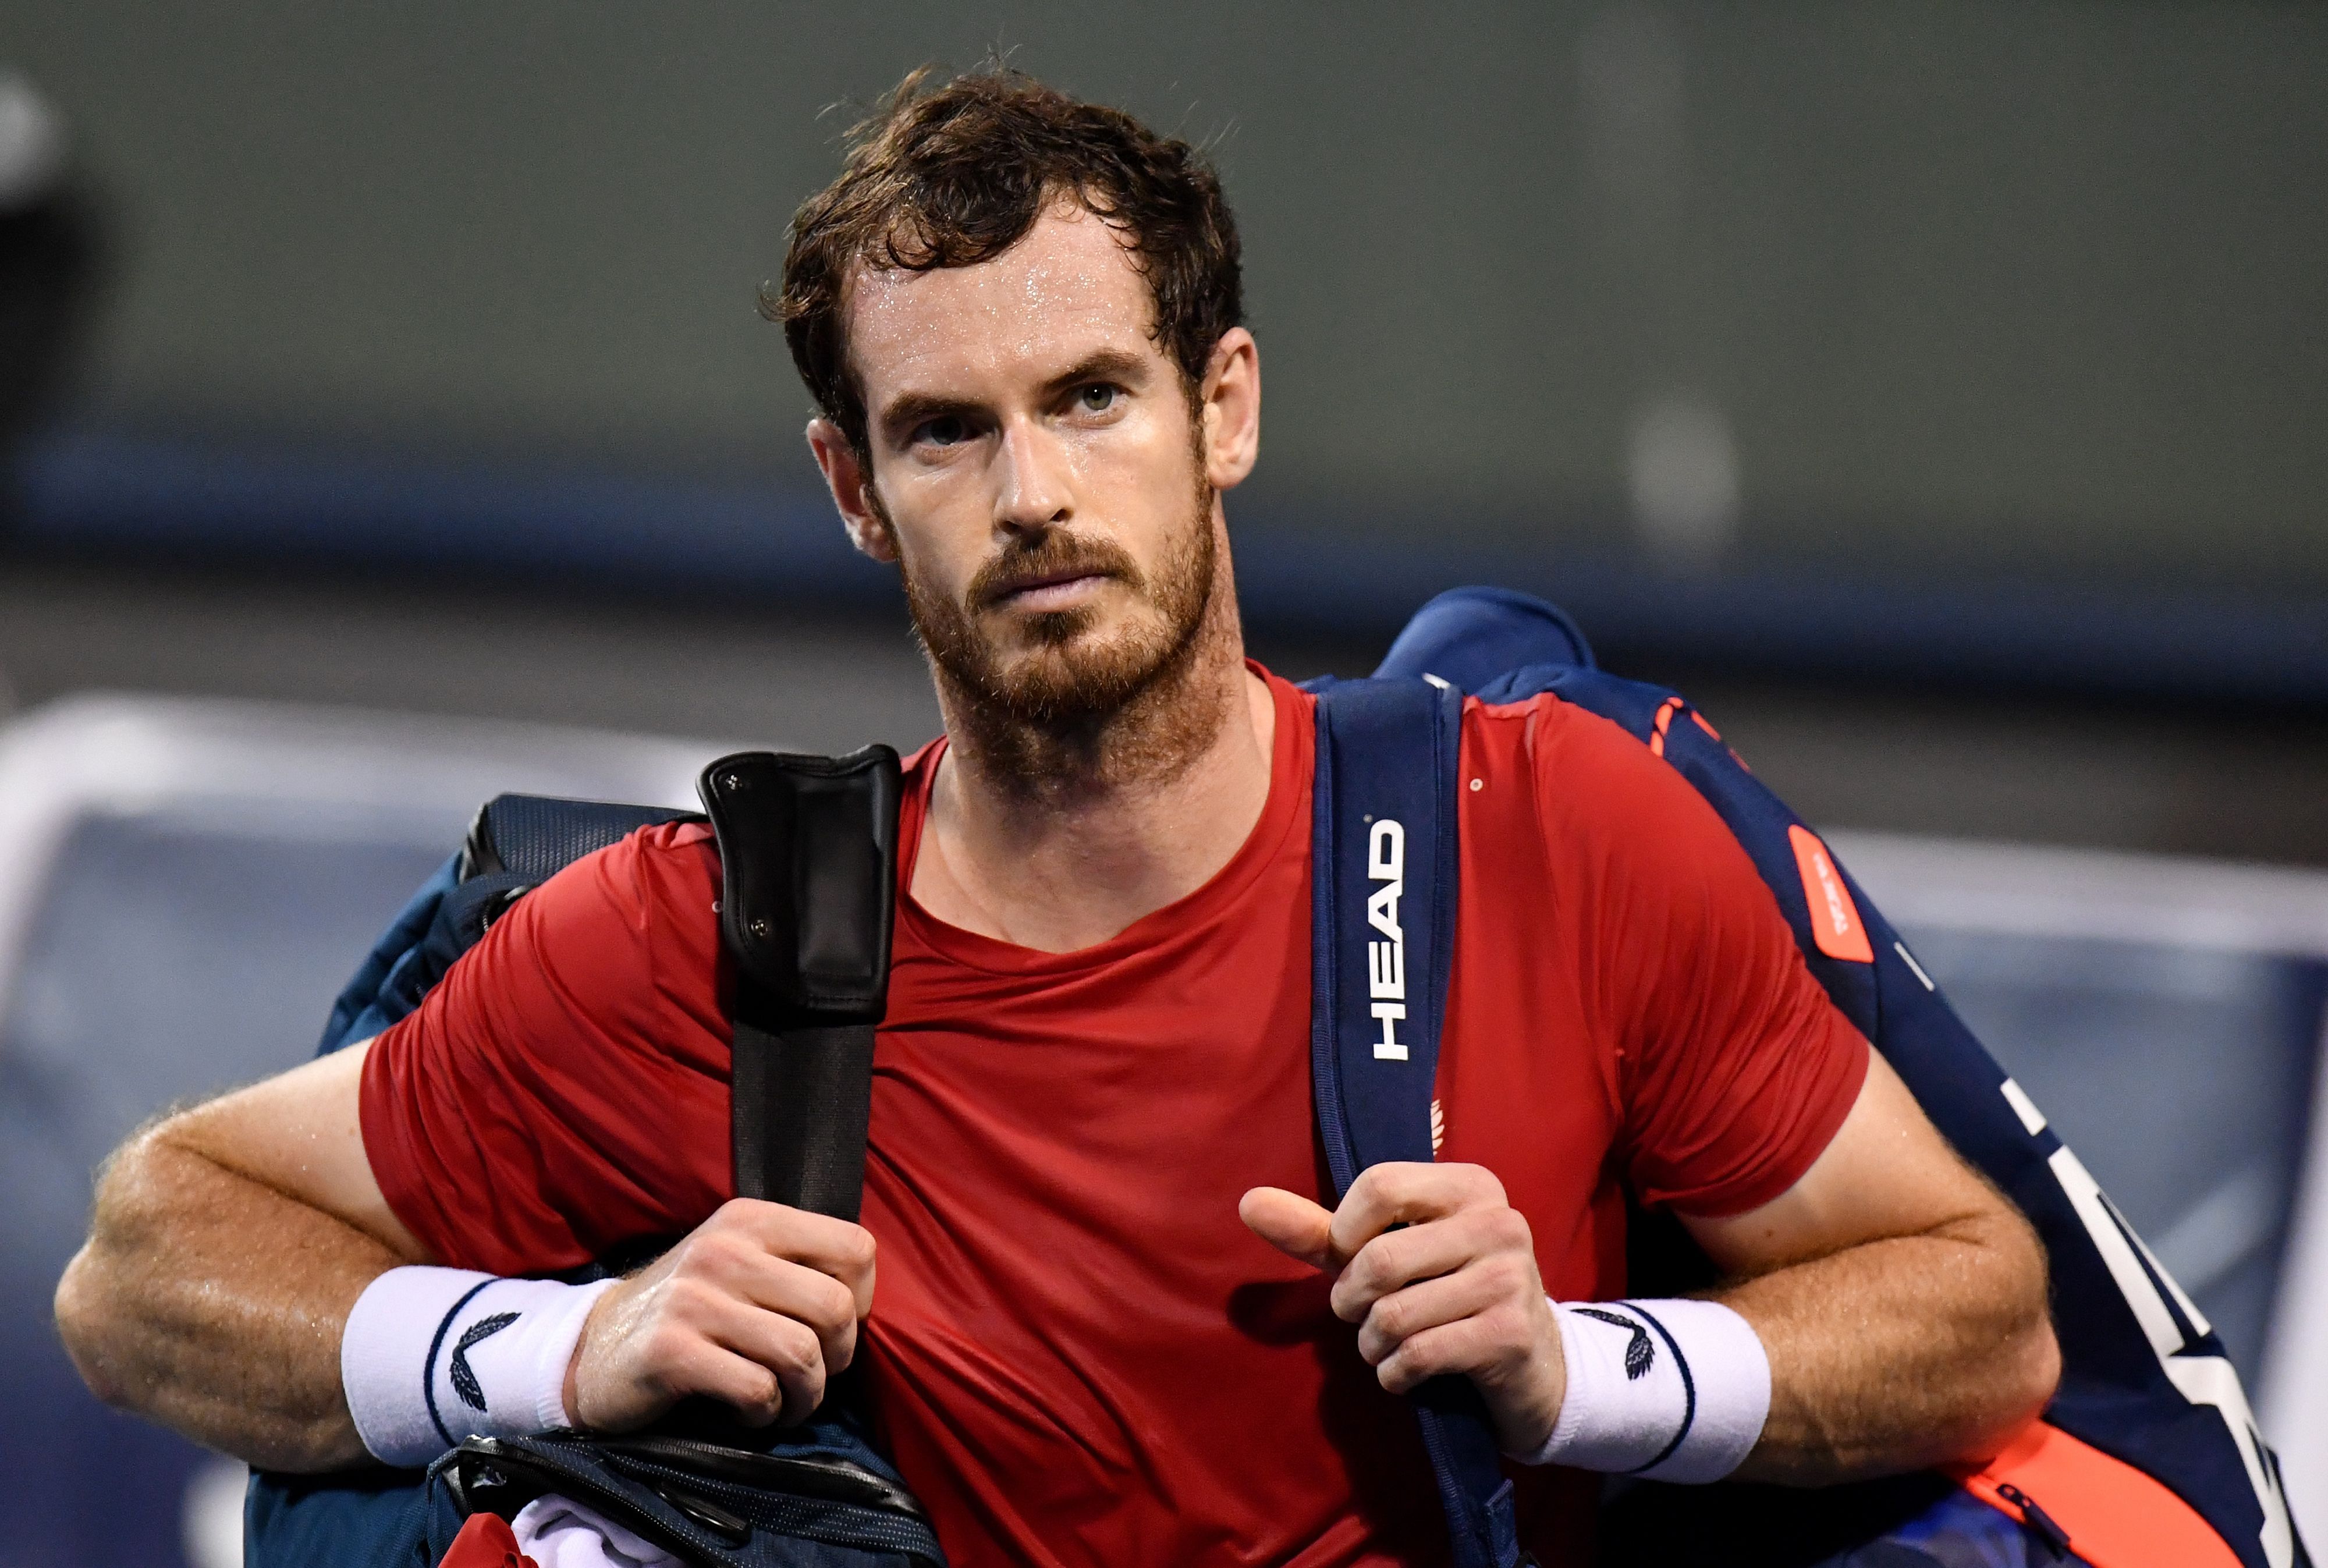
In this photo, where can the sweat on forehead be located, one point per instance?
(1070, 286)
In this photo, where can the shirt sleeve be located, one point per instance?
(563, 1089)
(1733, 1069)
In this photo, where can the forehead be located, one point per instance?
(1066, 289)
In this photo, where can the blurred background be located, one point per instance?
(1935, 391)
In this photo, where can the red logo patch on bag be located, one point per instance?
(1835, 918)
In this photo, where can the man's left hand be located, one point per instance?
(1437, 1271)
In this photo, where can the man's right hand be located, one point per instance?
(756, 1308)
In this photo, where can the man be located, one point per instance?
(1019, 317)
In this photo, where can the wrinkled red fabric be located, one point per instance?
(1078, 1354)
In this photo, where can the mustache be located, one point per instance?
(1050, 556)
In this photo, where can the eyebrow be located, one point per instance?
(1101, 365)
(911, 409)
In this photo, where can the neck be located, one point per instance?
(1056, 838)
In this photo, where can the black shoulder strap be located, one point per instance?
(807, 860)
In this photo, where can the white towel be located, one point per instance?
(559, 1533)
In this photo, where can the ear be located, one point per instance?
(1229, 404)
(852, 491)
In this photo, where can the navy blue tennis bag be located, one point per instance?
(2146, 1457)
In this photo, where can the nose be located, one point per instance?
(1032, 490)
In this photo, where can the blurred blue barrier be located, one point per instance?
(184, 886)
(2170, 1018)
(227, 932)
(1298, 572)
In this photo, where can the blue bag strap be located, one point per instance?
(1382, 875)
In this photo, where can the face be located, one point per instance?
(1039, 471)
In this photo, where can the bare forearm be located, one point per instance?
(214, 1304)
(1901, 1353)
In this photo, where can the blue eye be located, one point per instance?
(1098, 398)
(944, 430)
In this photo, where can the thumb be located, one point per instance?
(1292, 1225)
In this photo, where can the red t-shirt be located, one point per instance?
(1077, 1353)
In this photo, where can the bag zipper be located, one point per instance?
(2033, 1517)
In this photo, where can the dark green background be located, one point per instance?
(2035, 288)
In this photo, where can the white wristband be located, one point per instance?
(431, 1357)
(1672, 1390)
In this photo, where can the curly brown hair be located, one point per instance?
(954, 174)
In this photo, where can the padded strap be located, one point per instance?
(801, 1100)
(1382, 875)
(807, 857)
(532, 838)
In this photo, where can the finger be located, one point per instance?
(826, 1306)
(753, 1392)
(815, 1241)
(1469, 1346)
(1396, 1259)
(1402, 1192)
(784, 1347)
(1292, 1223)
(1418, 1309)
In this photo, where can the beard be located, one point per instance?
(1064, 673)
(1051, 698)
